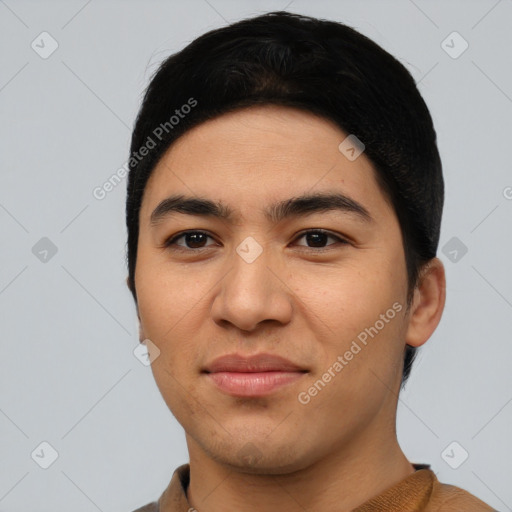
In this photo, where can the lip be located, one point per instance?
(255, 375)
(263, 362)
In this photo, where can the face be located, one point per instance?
(322, 287)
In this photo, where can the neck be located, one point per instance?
(340, 482)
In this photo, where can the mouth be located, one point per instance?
(253, 383)
(252, 376)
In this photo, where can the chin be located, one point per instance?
(272, 460)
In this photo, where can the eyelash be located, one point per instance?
(169, 243)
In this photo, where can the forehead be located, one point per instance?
(262, 154)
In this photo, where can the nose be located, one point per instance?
(253, 292)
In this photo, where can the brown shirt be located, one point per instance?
(418, 492)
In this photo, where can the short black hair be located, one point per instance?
(320, 66)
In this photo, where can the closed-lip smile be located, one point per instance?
(255, 375)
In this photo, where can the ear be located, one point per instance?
(428, 303)
(142, 336)
(128, 284)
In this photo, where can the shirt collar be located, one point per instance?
(409, 495)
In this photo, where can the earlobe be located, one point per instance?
(428, 303)
(128, 284)
(142, 334)
(141, 330)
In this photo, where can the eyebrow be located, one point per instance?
(294, 207)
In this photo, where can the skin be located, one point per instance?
(340, 449)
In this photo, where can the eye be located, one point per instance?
(193, 239)
(318, 237)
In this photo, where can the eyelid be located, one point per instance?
(339, 238)
(172, 239)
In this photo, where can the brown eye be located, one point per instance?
(317, 238)
(192, 239)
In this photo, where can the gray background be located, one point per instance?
(68, 375)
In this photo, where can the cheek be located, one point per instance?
(171, 319)
(359, 316)
(167, 298)
(347, 299)
(171, 309)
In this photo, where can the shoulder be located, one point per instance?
(150, 507)
(174, 496)
(449, 498)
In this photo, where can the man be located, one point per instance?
(284, 207)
